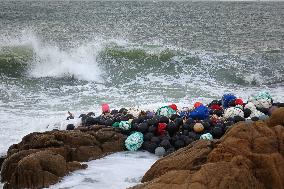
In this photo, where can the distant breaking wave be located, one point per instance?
(120, 62)
(29, 56)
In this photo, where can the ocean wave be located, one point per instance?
(118, 62)
(14, 59)
(28, 55)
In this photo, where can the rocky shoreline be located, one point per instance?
(249, 155)
(42, 159)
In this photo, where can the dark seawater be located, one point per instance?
(73, 55)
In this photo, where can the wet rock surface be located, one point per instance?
(2, 158)
(42, 159)
(249, 155)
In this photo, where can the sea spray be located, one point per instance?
(79, 63)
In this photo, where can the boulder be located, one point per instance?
(249, 155)
(42, 159)
(10, 163)
(277, 117)
(38, 170)
(2, 158)
(197, 151)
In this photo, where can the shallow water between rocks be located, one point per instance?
(118, 171)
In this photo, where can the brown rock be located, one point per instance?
(247, 156)
(86, 153)
(114, 144)
(75, 165)
(190, 157)
(10, 163)
(2, 159)
(38, 170)
(91, 128)
(104, 135)
(76, 138)
(277, 117)
(42, 159)
(280, 138)
(64, 151)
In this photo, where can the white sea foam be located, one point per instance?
(13, 128)
(49, 60)
(116, 171)
(79, 63)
